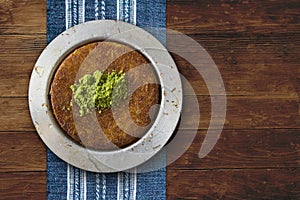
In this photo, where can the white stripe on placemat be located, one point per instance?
(120, 186)
(126, 16)
(126, 10)
(68, 5)
(74, 12)
(70, 181)
(134, 12)
(77, 191)
(97, 186)
(102, 9)
(96, 9)
(133, 184)
(126, 185)
(104, 186)
(81, 9)
(118, 9)
(66, 13)
(81, 184)
(130, 184)
(84, 185)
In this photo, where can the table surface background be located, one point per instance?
(255, 44)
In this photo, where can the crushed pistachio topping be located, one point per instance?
(99, 91)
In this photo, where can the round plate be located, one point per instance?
(114, 160)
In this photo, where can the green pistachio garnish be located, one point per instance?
(99, 91)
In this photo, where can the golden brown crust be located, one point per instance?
(99, 130)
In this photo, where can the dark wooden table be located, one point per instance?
(256, 46)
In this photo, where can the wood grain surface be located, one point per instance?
(21, 152)
(269, 149)
(23, 185)
(234, 184)
(236, 16)
(255, 45)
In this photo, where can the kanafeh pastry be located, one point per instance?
(105, 126)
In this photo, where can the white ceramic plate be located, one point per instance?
(114, 160)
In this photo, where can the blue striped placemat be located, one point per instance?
(67, 182)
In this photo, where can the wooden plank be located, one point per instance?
(23, 17)
(234, 184)
(23, 185)
(211, 17)
(274, 148)
(15, 115)
(242, 113)
(248, 65)
(22, 45)
(17, 58)
(22, 151)
(239, 49)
